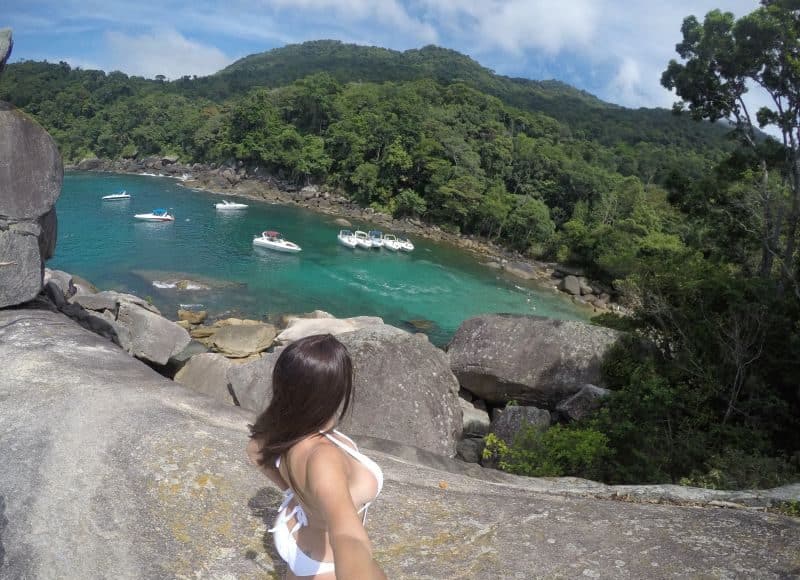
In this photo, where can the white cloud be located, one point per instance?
(384, 13)
(613, 48)
(513, 26)
(164, 52)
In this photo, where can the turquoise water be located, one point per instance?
(437, 285)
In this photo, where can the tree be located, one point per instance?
(724, 59)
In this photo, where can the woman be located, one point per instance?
(327, 483)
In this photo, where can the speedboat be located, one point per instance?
(362, 239)
(376, 237)
(347, 239)
(406, 245)
(225, 204)
(390, 242)
(274, 241)
(157, 215)
(121, 196)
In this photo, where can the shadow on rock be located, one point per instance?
(263, 505)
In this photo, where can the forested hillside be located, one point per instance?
(685, 218)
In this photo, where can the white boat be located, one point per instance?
(274, 241)
(376, 237)
(121, 196)
(347, 239)
(157, 215)
(362, 239)
(390, 242)
(225, 205)
(406, 245)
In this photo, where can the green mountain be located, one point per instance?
(581, 111)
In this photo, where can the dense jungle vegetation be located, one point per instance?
(694, 218)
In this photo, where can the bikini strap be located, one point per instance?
(358, 456)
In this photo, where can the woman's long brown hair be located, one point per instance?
(311, 381)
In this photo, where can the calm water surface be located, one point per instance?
(434, 288)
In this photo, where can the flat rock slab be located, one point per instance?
(120, 473)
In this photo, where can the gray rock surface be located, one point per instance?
(152, 337)
(475, 421)
(241, 341)
(571, 285)
(579, 405)
(6, 44)
(509, 421)
(31, 172)
(300, 327)
(530, 359)
(251, 383)
(30, 182)
(470, 449)
(63, 280)
(20, 268)
(207, 373)
(110, 300)
(404, 390)
(119, 472)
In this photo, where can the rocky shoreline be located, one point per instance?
(587, 295)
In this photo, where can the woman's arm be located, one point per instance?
(254, 455)
(327, 486)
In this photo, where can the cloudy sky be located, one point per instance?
(615, 49)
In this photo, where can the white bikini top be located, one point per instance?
(300, 514)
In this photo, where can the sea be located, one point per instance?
(205, 260)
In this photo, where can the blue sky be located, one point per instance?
(615, 49)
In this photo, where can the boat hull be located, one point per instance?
(289, 249)
(150, 218)
(347, 243)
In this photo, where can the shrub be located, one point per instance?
(552, 453)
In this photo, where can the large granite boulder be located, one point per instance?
(31, 173)
(323, 323)
(244, 340)
(150, 336)
(529, 359)
(6, 44)
(404, 390)
(510, 421)
(582, 403)
(251, 383)
(118, 472)
(207, 373)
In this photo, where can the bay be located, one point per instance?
(432, 289)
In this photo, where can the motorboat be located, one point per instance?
(157, 215)
(405, 244)
(376, 237)
(274, 241)
(390, 242)
(362, 239)
(121, 196)
(226, 205)
(347, 239)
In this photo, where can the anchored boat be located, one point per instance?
(274, 241)
(157, 215)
